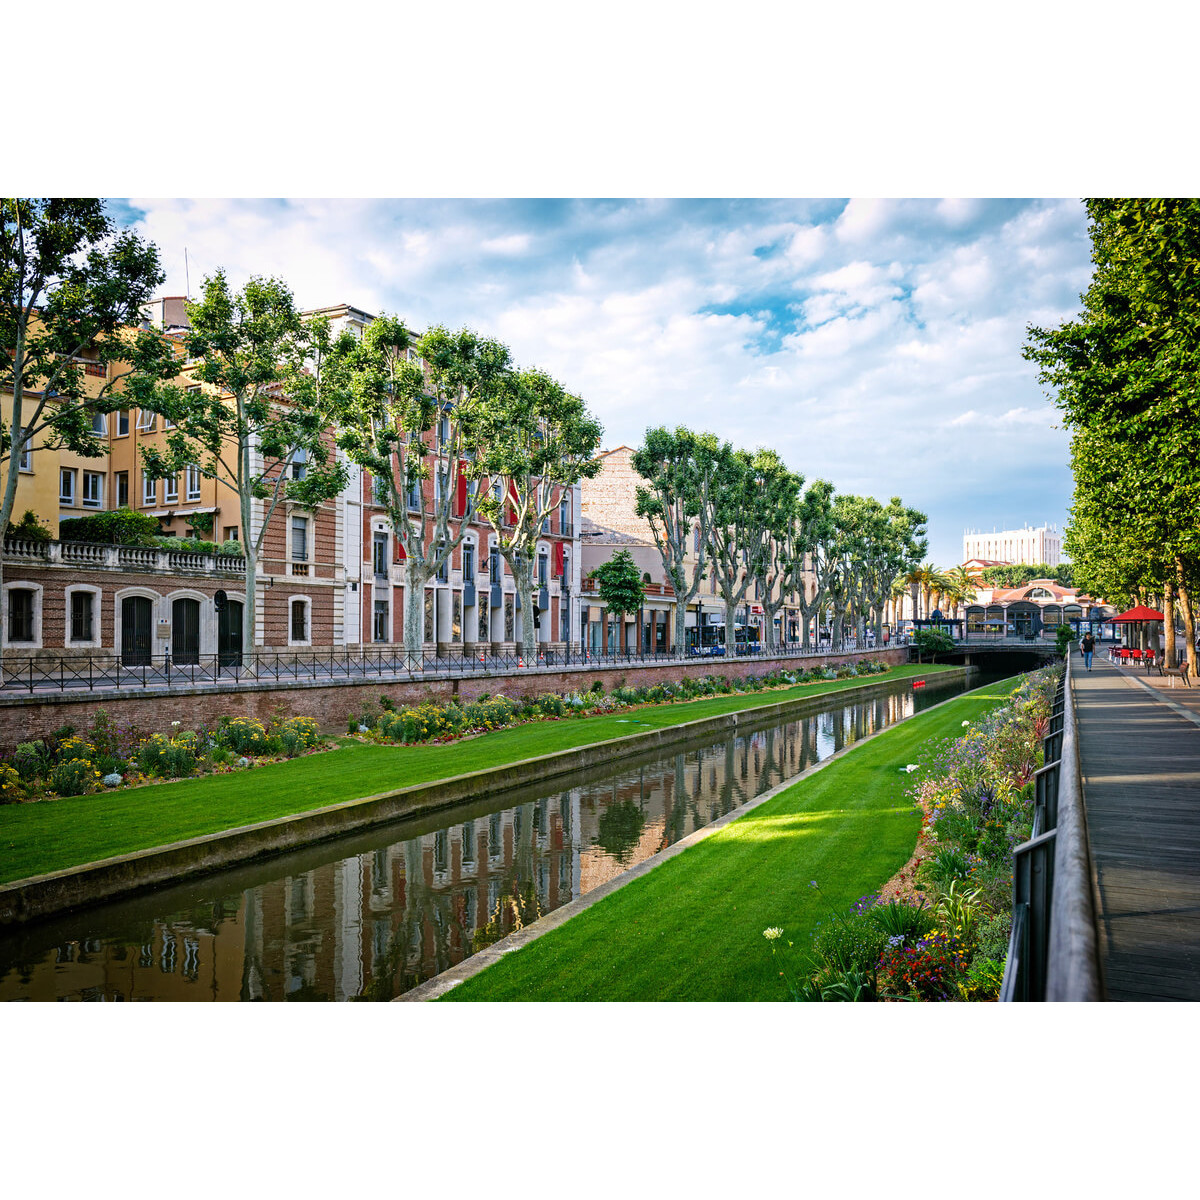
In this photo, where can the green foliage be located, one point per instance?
(850, 943)
(899, 918)
(30, 760)
(619, 584)
(30, 528)
(74, 777)
(72, 288)
(120, 527)
(1019, 574)
(1063, 637)
(168, 757)
(933, 642)
(243, 735)
(1124, 375)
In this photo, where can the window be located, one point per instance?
(564, 516)
(231, 533)
(149, 489)
(193, 482)
(543, 568)
(122, 478)
(171, 489)
(82, 608)
(299, 620)
(444, 430)
(147, 421)
(300, 539)
(93, 489)
(26, 463)
(379, 554)
(696, 539)
(443, 572)
(566, 566)
(99, 424)
(123, 423)
(414, 495)
(299, 462)
(494, 566)
(468, 561)
(20, 615)
(66, 486)
(379, 629)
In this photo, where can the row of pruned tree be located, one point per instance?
(744, 518)
(261, 397)
(1126, 374)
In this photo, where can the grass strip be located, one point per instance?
(54, 835)
(692, 929)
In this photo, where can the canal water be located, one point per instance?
(371, 915)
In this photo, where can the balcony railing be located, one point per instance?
(100, 556)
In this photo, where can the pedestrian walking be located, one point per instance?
(1087, 648)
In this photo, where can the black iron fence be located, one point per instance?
(92, 672)
(1052, 951)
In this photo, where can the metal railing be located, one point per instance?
(98, 672)
(1052, 950)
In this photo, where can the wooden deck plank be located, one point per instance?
(1141, 782)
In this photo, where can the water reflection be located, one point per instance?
(370, 916)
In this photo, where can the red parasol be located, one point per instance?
(1140, 613)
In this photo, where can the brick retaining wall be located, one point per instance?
(23, 718)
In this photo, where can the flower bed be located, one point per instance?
(109, 755)
(946, 939)
(435, 722)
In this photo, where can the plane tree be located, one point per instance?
(72, 290)
(406, 424)
(681, 470)
(533, 439)
(258, 422)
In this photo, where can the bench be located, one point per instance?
(1180, 671)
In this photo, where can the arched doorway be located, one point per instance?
(137, 631)
(185, 631)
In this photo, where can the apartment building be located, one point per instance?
(333, 576)
(1025, 545)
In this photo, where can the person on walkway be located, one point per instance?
(1087, 648)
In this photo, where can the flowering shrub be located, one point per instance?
(431, 721)
(12, 786)
(167, 757)
(74, 777)
(930, 970)
(243, 735)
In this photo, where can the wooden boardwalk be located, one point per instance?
(1139, 749)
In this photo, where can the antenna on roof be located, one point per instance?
(187, 279)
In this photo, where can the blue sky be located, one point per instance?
(875, 343)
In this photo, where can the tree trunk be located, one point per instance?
(416, 575)
(1189, 624)
(680, 626)
(1168, 612)
(730, 627)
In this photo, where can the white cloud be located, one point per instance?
(878, 345)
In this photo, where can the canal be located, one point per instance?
(371, 915)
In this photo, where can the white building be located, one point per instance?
(1027, 545)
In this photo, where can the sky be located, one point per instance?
(873, 343)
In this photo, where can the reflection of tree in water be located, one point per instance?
(620, 825)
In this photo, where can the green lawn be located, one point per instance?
(692, 929)
(50, 836)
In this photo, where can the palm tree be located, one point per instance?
(962, 587)
(898, 591)
(932, 580)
